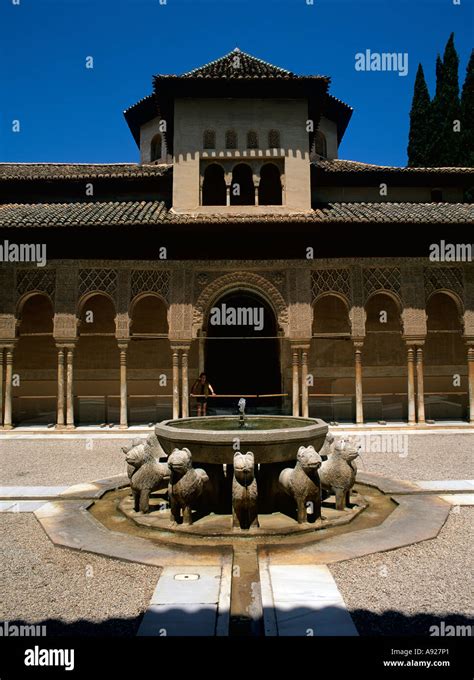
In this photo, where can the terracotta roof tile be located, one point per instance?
(340, 165)
(72, 171)
(248, 67)
(121, 213)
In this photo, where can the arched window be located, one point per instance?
(213, 188)
(269, 192)
(209, 139)
(320, 144)
(274, 141)
(231, 139)
(155, 151)
(242, 191)
(252, 140)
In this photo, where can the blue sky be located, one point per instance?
(68, 113)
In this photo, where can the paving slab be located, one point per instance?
(303, 600)
(69, 524)
(187, 619)
(416, 518)
(31, 492)
(188, 601)
(20, 506)
(187, 584)
(448, 485)
(459, 498)
(95, 489)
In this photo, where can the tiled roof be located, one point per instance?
(117, 213)
(340, 165)
(35, 171)
(122, 213)
(238, 64)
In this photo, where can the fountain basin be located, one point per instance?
(215, 439)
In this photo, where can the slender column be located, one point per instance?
(411, 386)
(1, 386)
(60, 406)
(123, 387)
(420, 385)
(256, 194)
(7, 422)
(296, 396)
(202, 342)
(227, 194)
(184, 384)
(69, 389)
(175, 384)
(358, 384)
(304, 384)
(470, 368)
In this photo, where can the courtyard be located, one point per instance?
(410, 590)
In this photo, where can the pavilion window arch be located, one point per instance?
(252, 139)
(156, 148)
(209, 139)
(231, 139)
(214, 191)
(274, 139)
(270, 191)
(320, 144)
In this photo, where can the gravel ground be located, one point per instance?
(49, 462)
(421, 457)
(70, 592)
(406, 591)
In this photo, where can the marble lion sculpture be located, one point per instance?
(302, 482)
(244, 492)
(185, 486)
(146, 474)
(338, 472)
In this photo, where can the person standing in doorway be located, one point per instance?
(202, 389)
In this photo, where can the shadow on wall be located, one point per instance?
(390, 623)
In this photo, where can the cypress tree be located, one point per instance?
(419, 129)
(446, 109)
(467, 116)
(435, 120)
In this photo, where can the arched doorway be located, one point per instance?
(213, 188)
(35, 363)
(149, 361)
(331, 396)
(384, 358)
(96, 363)
(446, 381)
(242, 191)
(242, 353)
(270, 192)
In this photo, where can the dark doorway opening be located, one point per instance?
(243, 358)
(270, 192)
(213, 188)
(242, 191)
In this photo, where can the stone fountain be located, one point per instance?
(241, 466)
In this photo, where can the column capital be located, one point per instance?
(414, 340)
(181, 347)
(303, 346)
